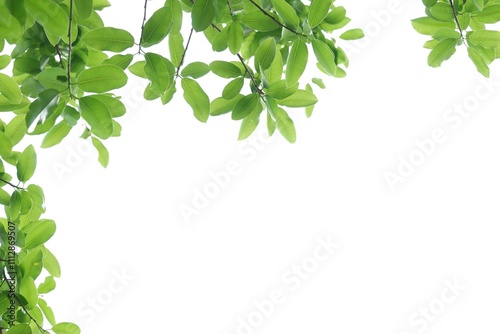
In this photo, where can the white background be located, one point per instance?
(398, 248)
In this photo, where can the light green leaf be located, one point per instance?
(47, 311)
(301, 98)
(325, 56)
(102, 78)
(487, 38)
(32, 264)
(16, 129)
(245, 106)
(297, 62)
(225, 69)
(489, 15)
(122, 61)
(28, 290)
(352, 34)
(66, 328)
(47, 285)
(109, 39)
(428, 25)
(137, 69)
(4, 61)
(97, 114)
(176, 48)
(287, 13)
(196, 98)
(102, 151)
(157, 27)
(51, 264)
(285, 125)
(235, 37)
(20, 329)
(309, 109)
(26, 164)
(479, 61)
(195, 70)
(40, 234)
(203, 13)
(50, 15)
(233, 88)
(5, 145)
(160, 72)
(221, 106)
(441, 52)
(84, 8)
(56, 135)
(258, 21)
(250, 123)
(318, 11)
(265, 53)
(10, 89)
(53, 77)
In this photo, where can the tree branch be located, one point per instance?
(143, 24)
(184, 53)
(274, 19)
(10, 184)
(70, 45)
(457, 22)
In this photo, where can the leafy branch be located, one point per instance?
(274, 19)
(143, 24)
(455, 16)
(70, 46)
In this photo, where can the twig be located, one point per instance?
(10, 184)
(457, 22)
(184, 53)
(70, 45)
(143, 24)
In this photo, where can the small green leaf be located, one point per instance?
(441, 52)
(265, 53)
(97, 114)
(66, 328)
(203, 13)
(109, 39)
(50, 15)
(122, 61)
(258, 21)
(47, 311)
(160, 72)
(297, 62)
(487, 38)
(40, 234)
(53, 78)
(195, 70)
(428, 25)
(4, 61)
(47, 285)
(235, 37)
(20, 329)
(196, 98)
(479, 61)
(5, 145)
(102, 78)
(32, 264)
(325, 56)
(51, 264)
(225, 69)
(16, 129)
(245, 106)
(301, 98)
(26, 164)
(10, 89)
(285, 125)
(318, 11)
(176, 48)
(250, 123)
(137, 69)
(233, 88)
(221, 106)
(56, 135)
(28, 290)
(157, 27)
(352, 34)
(102, 151)
(287, 13)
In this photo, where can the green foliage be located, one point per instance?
(451, 23)
(66, 64)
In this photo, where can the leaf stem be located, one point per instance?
(10, 184)
(184, 53)
(70, 46)
(143, 24)
(457, 22)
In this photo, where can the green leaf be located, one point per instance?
(10, 29)
(47, 311)
(479, 61)
(250, 123)
(442, 12)
(160, 71)
(109, 39)
(28, 290)
(4, 61)
(225, 69)
(221, 106)
(66, 328)
(20, 329)
(309, 109)
(176, 48)
(122, 61)
(102, 151)
(285, 125)
(445, 33)
(53, 78)
(245, 106)
(258, 21)
(47, 285)
(318, 11)
(233, 88)
(16, 129)
(287, 13)
(157, 27)
(50, 15)
(5, 145)
(196, 98)
(84, 8)
(301, 98)
(428, 25)
(280, 90)
(26, 164)
(32, 264)
(45, 101)
(325, 56)
(138, 69)
(265, 53)
(441, 52)
(56, 135)
(10, 89)
(203, 13)
(235, 37)
(352, 34)
(51, 264)
(297, 62)
(40, 234)
(488, 38)
(96, 113)
(195, 70)
(489, 15)
(102, 78)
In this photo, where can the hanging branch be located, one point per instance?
(70, 46)
(10, 184)
(184, 53)
(456, 21)
(143, 24)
